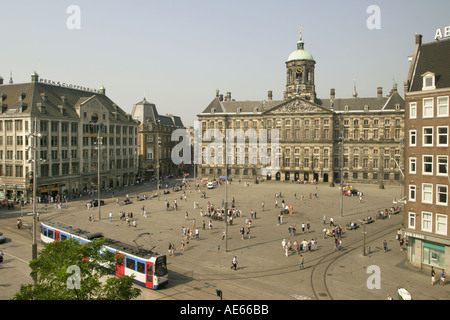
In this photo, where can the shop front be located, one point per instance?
(427, 250)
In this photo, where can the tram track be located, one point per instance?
(202, 283)
(319, 273)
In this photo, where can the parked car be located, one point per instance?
(95, 202)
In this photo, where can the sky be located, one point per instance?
(177, 53)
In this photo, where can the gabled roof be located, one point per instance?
(359, 104)
(391, 102)
(297, 105)
(249, 106)
(146, 111)
(431, 57)
(51, 96)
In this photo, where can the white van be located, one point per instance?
(211, 185)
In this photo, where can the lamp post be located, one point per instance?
(99, 144)
(32, 159)
(341, 142)
(158, 165)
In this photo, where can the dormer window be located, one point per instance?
(429, 81)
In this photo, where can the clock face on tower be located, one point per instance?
(299, 70)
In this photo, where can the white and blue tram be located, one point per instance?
(149, 268)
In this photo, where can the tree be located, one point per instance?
(70, 270)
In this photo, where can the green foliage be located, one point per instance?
(59, 264)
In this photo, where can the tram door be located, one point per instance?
(120, 268)
(149, 273)
(57, 235)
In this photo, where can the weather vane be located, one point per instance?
(301, 28)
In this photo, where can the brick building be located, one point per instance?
(427, 92)
(155, 143)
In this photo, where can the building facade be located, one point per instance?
(155, 140)
(319, 139)
(427, 93)
(69, 121)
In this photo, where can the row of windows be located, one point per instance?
(306, 122)
(440, 198)
(136, 265)
(427, 220)
(428, 108)
(428, 165)
(428, 137)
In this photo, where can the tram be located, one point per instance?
(149, 268)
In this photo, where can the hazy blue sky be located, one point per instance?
(176, 53)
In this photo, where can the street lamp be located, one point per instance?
(99, 144)
(32, 159)
(226, 184)
(158, 164)
(341, 142)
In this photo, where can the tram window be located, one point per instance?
(130, 264)
(161, 266)
(50, 233)
(63, 237)
(44, 231)
(140, 267)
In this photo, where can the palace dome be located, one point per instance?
(300, 53)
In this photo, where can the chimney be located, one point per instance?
(228, 97)
(269, 95)
(332, 93)
(380, 92)
(221, 97)
(116, 111)
(419, 39)
(1, 80)
(34, 77)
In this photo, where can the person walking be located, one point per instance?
(234, 263)
(433, 276)
(1, 259)
(110, 216)
(385, 246)
(443, 274)
(301, 260)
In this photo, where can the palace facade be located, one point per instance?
(319, 139)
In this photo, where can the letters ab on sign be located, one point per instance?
(439, 35)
